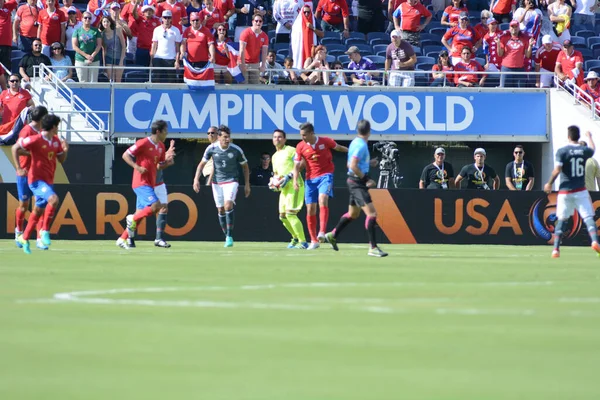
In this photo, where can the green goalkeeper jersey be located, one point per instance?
(283, 161)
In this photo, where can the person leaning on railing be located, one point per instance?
(61, 63)
(222, 75)
(400, 60)
(592, 88)
(444, 64)
(87, 43)
(315, 67)
(463, 71)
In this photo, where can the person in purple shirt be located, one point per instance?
(362, 65)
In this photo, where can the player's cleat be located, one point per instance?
(228, 241)
(321, 237)
(130, 243)
(122, 243)
(17, 234)
(596, 247)
(24, 244)
(131, 225)
(293, 243)
(377, 252)
(331, 240)
(555, 253)
(40, 245)
(313, 246)
(45, 237)
(301, 245)
(161, 243)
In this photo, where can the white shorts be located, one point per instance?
(567, 203)
(224, 192)
(546, 79)
(161, 193)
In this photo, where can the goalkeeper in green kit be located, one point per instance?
(290, 200)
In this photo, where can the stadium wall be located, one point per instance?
(97, 212)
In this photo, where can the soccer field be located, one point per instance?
(87, 320)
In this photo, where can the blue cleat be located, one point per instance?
(24, 244)
(17, 234)
(293, 243)
(301, 246)
(228, 241)
(40, 245)
(45, 238)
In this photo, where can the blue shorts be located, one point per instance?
(42, 192)
(314, 187)
(145, 197)
(23, 191)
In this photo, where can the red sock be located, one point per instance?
(311, 223)
(124, 235)
(20, 218)
(33, 220)
(323, 217)
(39, 226)
(48, 216)
(143, 213)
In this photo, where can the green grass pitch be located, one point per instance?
(262, 322)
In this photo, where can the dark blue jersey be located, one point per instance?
(572, 159)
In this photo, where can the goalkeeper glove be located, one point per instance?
(286, 179)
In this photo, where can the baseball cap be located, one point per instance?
(115, 5)
(395, 33)
(491, 20)
(546, 39)
(353, 49)
(479, 150)
(463, 15)
(591, 75)
(71, 10)
(567, 43)
(147, 7)
(167, 13)
(440, 150)
(194, 16)
(514, 22)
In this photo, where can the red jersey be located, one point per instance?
(547, 59)
(491, 48)
(6, 23)
(319, 160)
(147, 154)
(254, 44)
(224, 6)
(214, 17)
(452, 13)
(65, 12)
(503, 6)
(127, 11)
(334, 11)
(198, 43)
(178, 10)
(220, 58)
(27, 16)
(51, 26)
(43, 157)
(460, 38)
(410, 17)
(481, 29)
(472, 66)
(449, 77)
(13, 104)
(568, 64)
(595, 93)
(25, 161)
(514, 49)
(145, 29)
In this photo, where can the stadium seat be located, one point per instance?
(504, 26)
(336, 46)
(135, 76)
(279, 58)
(17, 54)
(327, 41)
(271, 33)
(281, 46)
(578, 40)
(364, 48)
(480, 60)
(335, 53)
(357, 35)
(434, 24)
(425, 43)
(431, 49)
(433, 54)
(597, 27)
(381, 53)
(379, 47)
(376, 59)
(421, 80)
(417, 50)
(283, 52)
(429, 36)
(587, 54)
(330, 34)
(585, 33)
(424, 66)
(344, 60)
(375, 42)
(330, 58)
(425, 59)
(378, 35)
(593, 40)
(354, 41)
(596, 52)
(591, 64)
(439, 31)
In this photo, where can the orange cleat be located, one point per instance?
(596, 247)
(555, 253)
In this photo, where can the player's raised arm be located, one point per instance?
(169, 157)
(591, 143)
(62, 156)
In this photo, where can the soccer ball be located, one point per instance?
(275, 183)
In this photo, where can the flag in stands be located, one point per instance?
(233, 68)
(9, 131)
(302, 38)
(199, 78)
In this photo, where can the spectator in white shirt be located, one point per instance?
(165, 49)
(284, 13)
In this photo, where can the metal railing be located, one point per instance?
(579, 96)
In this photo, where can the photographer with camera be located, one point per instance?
(388, 167)
(478, 175)
(439, 174)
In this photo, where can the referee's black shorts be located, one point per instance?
(359, 192)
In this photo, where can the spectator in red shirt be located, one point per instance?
(462, 78)
(254, 45)
(51, 28)
(503, 9)
(444, 64)
(592, 88)
(514, 49)
(198, 43)
(222, 75)
(177, 10)
(545, 61)
(452, 12)
(6, 39)
(461, 35)
(490, 46)
(335, 16)
(144, 25)
(14, 99)
(407, 20)
(569, 65)
(482, 27)
(65, 9)
(227, 9)
(25, 25)
(210, 15)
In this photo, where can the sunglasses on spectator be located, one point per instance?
(211, 133)
(306, 12)
(518, 152)
(195, 20)
(14, 81)
(258, 21)
(265, 158)
(87, 17)
(166, 17)
(222, 29)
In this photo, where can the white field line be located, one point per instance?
(579, 300)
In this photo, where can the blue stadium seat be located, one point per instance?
(377, 35)
(335, 53)
(345, 59)
(329, 40)
(424, 66)
(425, 59)
(439, 31)
(336, 46)
(17, 54)
(593, 40)
(585, 33)
(434, 24)
(281, 46)
(375, 42)
(280, 58)
(331, 34)
(480, 60)
(376, 59)
(430, 49)
(425, 43)
(283, 52)
(357, 35)
(578, 40)
(330, 58)
(504, 26)
(271, 33)
(379, 47)
(421, 80)
(430, 36)
(354, 41)
(586, 53)
(417, 50)
(591, 64)
(364, 48)
(433, 54)
(381, 53)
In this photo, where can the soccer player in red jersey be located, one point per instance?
(44, 149)
(316, 150)
(150, 155)
(24, 194)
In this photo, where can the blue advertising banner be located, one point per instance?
(415, 115)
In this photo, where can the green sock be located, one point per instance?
(296, 225)
(288, 226)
